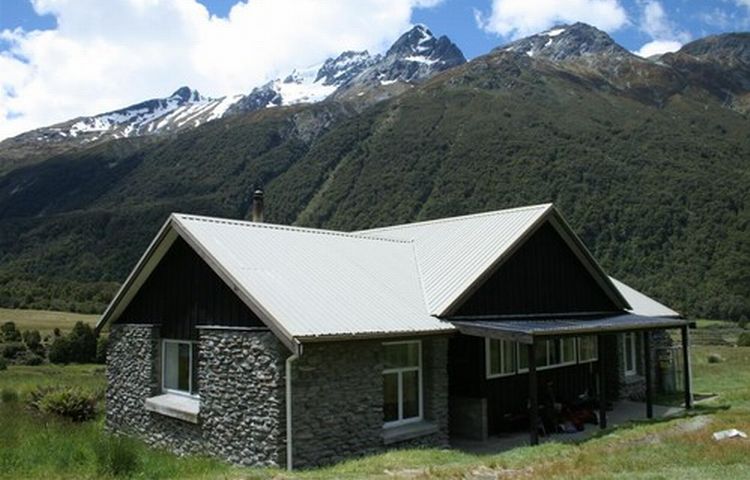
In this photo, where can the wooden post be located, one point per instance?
(686, 367)
(533, 395)
(602, 382)
(647, 364)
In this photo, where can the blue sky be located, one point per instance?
(64, 58)
(456, 19)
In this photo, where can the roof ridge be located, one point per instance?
(456, 218)
(291, 228)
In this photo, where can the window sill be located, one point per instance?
(175, 406)
(633, 378)
(408, 431)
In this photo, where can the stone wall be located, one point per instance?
(634, 387)
(241, 378)
(338, 400)
(242, 393)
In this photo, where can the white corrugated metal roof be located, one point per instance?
(453, 252)
(309, 283)
(317, 282)
(642, 304)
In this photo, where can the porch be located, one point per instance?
(623, 411)
(582, 388)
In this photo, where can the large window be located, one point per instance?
(402, 382)
(629, 353)
(501, 358)
(588, 349)
(504, 357)
(179, 367)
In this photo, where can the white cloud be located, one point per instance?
(743, 3)
(519, 18)
(665, 35)
(107, 54)
(657, 47)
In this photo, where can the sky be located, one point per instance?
(61, 59)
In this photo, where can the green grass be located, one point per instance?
(44, 320)
(36, 446)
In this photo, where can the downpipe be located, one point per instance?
(289, 450)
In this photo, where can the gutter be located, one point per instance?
(290, 359)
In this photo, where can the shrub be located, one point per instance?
(744, 339)
(33, 341)
(715, 358)
(82, 343)
(743, 323)
(29, 358)
(116, 456)
(60, 350)
(8, 395)
(71, 403)
(3, 364)
(78, 346)
(10, 333)
(13, 350)
(102, 344)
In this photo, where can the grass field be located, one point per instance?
(35, 446)
(43, 320)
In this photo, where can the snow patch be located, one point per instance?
(555, 32)
(420, 59)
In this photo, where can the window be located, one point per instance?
(588, 349)
(402, 382)
(501, 357)
(628, 353)
(179, 367)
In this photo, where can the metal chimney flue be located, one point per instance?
(258, 205)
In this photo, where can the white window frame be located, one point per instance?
(488, 363)
(633, 352)
(400, 371)
(578, 349)
(164, 388)
(575, 351)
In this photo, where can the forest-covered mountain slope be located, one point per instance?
(649, 164)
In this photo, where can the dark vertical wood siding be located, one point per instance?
(183, 292)
(542, 276)
(509, 395)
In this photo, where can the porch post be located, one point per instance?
(647, 364)
(602, 381)
(686, 367)
(533, 395)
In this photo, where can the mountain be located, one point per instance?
(416, 56)
(647, 160)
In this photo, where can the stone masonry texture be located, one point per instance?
(337, 397)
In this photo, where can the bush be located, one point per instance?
(744, 340)
(102, 344)
(116, 456)
(78, 346)
(30, 359)
(13, 350)
(715, 358)
(743, 323)
(8, 395)
(33, 341)
(60, 350)
(9, 332)
(71, 403)
(3, 364)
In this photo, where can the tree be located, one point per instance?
(10, 333)
(82, 343)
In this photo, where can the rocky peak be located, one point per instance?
(420, 45)
(568, 42)
(186, 94)
(336, 71)
(725, 48)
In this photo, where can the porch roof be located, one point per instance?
(527, 329)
